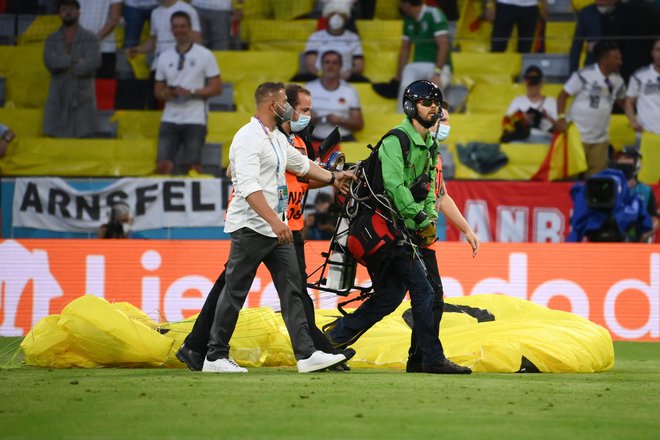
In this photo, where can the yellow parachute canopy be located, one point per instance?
(90, 332)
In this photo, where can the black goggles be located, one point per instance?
(427, 102)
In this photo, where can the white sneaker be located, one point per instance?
(319, 361)
(222, 365)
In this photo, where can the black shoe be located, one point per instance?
(348, 353)
(445, 366)
(192, 359)
(414, 364)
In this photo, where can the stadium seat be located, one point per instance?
(524, 162)
(559, 36)
(24, 122)
(269, 35)
(372, 102)
(33, 29)
(495, 98)
(482, 65)
(386, 34)
(387, 10)
(479, 127)
(555, 67)
(7, 29)
(456, 96)
(621, 133)
(135, 124)
(225, 101)
(27, 77)
(650, 149)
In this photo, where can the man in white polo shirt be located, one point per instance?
(259, 157)
(595, 89)
(186, 76)
(644, 94)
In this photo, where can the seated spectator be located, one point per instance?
(320, 225)
(524, 14)
(6, 136)
(336, 38)
(217, 18)
(425, 28)
(336, 102)
(72, 55)
(643, 95)
(119, 224)
(539, 111)
(101, 17)
(136, 13)
(593, 23)
(186, 76)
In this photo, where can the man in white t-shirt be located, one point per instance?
(539, 110)
(337, 38)
(644, 95)
(101, 17)
(217, 18)
(336, 102)
(595, 89)
(186, 75)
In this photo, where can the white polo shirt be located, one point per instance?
(644, 85)
(198, 65)
(593, 101)
(254, 155)
(93, 16)
(161, 26)
(339, 101)
(547, 103)
(347, 44)
(214, 5)
(143, 4)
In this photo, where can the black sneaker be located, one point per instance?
(192, 359)
(445, 366)
(349, 353)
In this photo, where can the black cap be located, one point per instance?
(533, 75)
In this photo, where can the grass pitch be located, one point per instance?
(362, 404)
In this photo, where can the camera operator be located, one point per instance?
(119, 224)
(629, 160)
(611, 206)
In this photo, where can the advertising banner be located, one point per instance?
(53, 204)
(614, 285)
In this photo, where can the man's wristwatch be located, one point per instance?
(332, 178)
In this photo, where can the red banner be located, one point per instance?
(537, 212)
(614, 285)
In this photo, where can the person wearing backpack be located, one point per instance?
(408, 175)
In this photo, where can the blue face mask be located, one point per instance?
(301, 123)
(442, 133)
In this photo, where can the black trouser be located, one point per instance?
(198, 338)
(431, 263)
(506, 16)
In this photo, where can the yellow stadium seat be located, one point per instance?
(579, 4)
(376, 124)
(481, 65)
(559, 36)
(136, 124)
(495, 98)
(385, 34)
(223, 126)
(79, 157)
(269, 35)
(372, 102)
(40, 28)
(387, 10)
(24, 122)
(237, 65)
(650, 149)
(470, 127)
(621, 133)
(27, 77)
(524, 162)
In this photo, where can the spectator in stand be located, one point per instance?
(136, 13)
(320, 224)
(101, 17)
(217, 17)
(6, 136)
(336, 38)
(336, 102)
(644, 95)
(539, 110)
(186, 76)
(161, 38)
(72, 55)
(593, 23)
(524, 14)
(595, 89)
(637, 28)
(425, 28)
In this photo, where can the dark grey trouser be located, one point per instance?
(248, 250)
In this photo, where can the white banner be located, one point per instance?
(53, 204)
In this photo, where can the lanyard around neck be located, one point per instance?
(275, 149)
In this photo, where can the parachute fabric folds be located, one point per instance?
(90, 332)
(96, 333)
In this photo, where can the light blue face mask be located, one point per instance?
(301, 123)
(442, 133)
